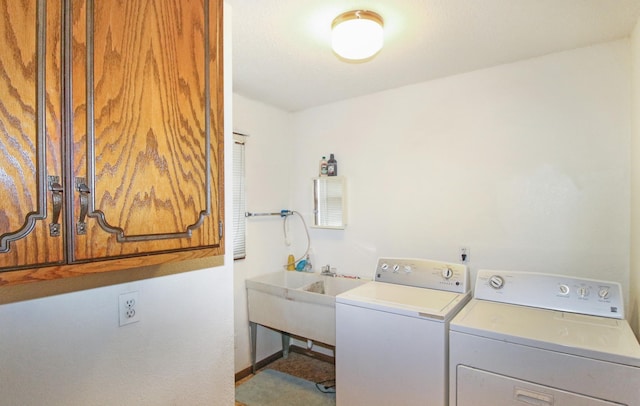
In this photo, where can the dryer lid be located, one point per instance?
(595, 337)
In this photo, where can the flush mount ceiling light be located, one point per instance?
(357, 35)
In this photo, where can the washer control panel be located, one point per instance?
(423, 273)
(551, 291)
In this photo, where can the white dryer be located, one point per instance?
(541, 339)
(392, 333)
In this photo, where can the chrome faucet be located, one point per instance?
(326, 270)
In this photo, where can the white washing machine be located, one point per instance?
(392, 333)
(540, 339)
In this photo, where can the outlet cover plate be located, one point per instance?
(129, 308)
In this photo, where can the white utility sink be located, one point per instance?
(297, 303)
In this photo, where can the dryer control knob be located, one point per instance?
(447, 273)
(496, 281)
(564, 289)
(384, 266)
(407, 269)
(603, 293)
(583, 291)
(396, 268)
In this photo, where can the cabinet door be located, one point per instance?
(30, 134)
(147, 126)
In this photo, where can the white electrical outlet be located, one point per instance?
(129, 308)
(464, 254)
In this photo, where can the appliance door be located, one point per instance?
(385, 358)
(476, 387)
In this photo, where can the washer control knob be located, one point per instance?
(396, 268)
(496, 281)
(564, 289)
(384, 266)
(604, 293)
(447, 273)
(583, 291)
(407, 269)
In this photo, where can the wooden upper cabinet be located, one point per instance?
(133, 123)
(30, 135)
(145, 168)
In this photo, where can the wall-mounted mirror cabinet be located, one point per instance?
(329, 202)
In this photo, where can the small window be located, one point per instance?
(239, 197)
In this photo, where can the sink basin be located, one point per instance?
(316, 287)
(332, 286)
(298, 303)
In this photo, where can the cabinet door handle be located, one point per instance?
(83, 189)
(56, 196)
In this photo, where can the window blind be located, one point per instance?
(239, 197)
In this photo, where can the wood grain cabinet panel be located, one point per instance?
(30, 133)
(131, 119)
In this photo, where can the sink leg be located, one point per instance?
(286, 339)
(253, 327)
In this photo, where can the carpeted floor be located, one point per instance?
(301, 366)
(274, 388)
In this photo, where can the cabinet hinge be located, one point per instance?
(220, 228)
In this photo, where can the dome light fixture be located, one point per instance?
(357, 35)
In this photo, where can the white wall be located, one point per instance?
(69, 350)
(526, 163)
(635, 184)
(269, 160)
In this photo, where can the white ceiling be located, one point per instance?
(282, 54)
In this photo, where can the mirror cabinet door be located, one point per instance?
(329, 210)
